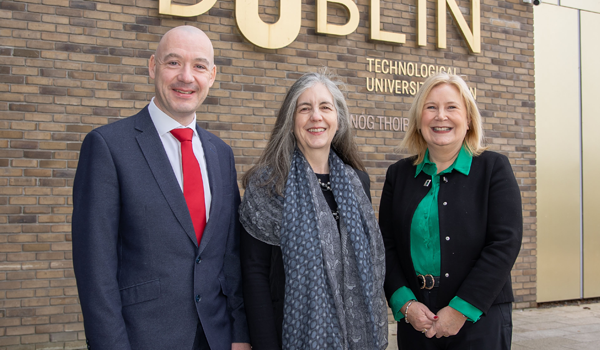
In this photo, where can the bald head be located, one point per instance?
(193, 35)
(183, 71)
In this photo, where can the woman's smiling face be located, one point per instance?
(444, 121)
(315, 120)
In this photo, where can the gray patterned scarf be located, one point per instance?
(334, 279)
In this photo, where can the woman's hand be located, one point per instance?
(449, 322)
(421, 318)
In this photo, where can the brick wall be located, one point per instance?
(67, 67)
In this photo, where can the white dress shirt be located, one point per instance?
(164, 124)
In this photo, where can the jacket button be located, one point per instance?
(447, 238)
(198, 298)
(447, 274)
(198, 260)
(445, 203)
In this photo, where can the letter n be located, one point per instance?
(471, 35)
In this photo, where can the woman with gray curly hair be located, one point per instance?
(311, 250)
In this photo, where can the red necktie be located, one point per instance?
(193, 188)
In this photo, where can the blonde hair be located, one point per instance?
(413, 140)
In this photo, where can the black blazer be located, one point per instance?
(264, 286)
(481, 228)
(143, 281)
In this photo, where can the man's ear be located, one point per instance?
(213, 75)
(151, 66)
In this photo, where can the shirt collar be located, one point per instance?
(164, 123)
(462, 163)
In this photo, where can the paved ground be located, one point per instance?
(562, 327)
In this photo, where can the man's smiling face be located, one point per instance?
(183, 71)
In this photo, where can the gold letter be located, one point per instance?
(372, 86)
(166, 8)
(379, 85)
(370, 60)
(410, 69)
(394, 67)
(473, 92)
(413, 88)
(269, 36)
(402, 68)
(404, 87)
(424, 75)
(376, 32)
(422, 22)
(390, 84)
(383, 69)
(473, 38)
(327, 28)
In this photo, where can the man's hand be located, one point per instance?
(240, 346)
(449, 322)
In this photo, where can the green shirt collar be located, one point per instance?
(462, 163)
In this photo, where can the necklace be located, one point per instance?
(327, 187)
(324, 186)
(336, 215)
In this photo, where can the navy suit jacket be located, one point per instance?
(143, 282)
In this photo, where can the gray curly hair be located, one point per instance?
(277, 156)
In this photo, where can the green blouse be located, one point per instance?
(425, 236)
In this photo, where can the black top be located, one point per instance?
(264, 281)
(329, 198)
(481, 227)
(328, 194)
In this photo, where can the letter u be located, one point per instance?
(270, 36)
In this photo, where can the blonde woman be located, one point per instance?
(451, 221)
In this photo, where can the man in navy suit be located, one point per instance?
(149, 274)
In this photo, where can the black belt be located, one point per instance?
(428, 281)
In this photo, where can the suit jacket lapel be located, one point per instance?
(159, 164)
(216, 182)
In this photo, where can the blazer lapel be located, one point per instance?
(215, 182)
(159, 164)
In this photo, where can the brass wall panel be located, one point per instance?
(586, 5)
(590, 82)
(558, 152)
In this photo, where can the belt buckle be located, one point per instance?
(425, 280)
(432, 282)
